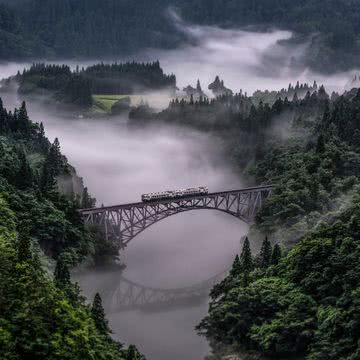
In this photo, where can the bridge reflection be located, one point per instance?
(129, 295)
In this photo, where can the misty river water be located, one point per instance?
(119, 164)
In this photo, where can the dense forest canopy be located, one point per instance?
(77, 86)
(94, 28)
(43, 316)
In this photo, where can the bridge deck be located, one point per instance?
(167, 201)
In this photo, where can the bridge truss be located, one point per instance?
(129, 295)
(123, 223)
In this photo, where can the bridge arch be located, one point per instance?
(130, 295)
(124, 222)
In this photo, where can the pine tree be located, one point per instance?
(276, 255)
(265, 253)
(42, 140)
(236, 267)
(133, 353)
(24, 176)
(98, 315)
(191, 99)
(23, 122)
(246, 259)
(320, 146)
(55, 157)
(47, 178)
(62, 274)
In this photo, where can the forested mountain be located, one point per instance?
(76, 87)
(101, 28)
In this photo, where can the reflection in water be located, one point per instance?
(178, 252)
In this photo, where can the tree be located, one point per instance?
(24, 177)
(265, 253)
(133, 353)
(276, 255)
(22, 120)
(246, 261)
(55, 158)
(246, 257)
(320, 146)
(98, 315)
(24, 252)
(236, 267)
(47, 178)
(62, 274)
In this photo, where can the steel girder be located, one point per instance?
(124, 222)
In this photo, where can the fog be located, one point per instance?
(119, 163)
(245, 60)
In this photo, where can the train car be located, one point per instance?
(174, 194)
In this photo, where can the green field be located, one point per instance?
(103, 103)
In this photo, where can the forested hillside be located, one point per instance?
(43, 316)
(304, 304)
(98, 28)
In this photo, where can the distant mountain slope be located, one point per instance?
(94, 28)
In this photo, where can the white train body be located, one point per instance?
(175, 194)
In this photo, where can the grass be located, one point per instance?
(103, 103)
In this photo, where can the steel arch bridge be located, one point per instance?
(122, 223)
(130, 295)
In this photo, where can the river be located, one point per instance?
(118, 165)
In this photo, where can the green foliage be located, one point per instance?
(98, 315)
(76, 87)
(305, 303)
(38, 319)
(24, 252)
(246, 260)
(61, 274)
(265, 255)
(276, 254)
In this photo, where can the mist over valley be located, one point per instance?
(239, 121)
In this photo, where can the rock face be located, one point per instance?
(218, 88)
(196, 93)
(353, 83)
(71, 183)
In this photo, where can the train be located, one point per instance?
(174, 194)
